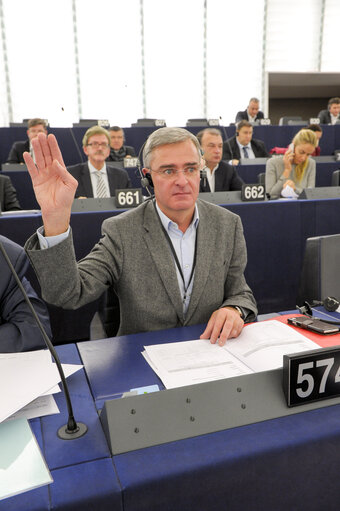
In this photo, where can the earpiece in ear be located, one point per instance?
(147, 180)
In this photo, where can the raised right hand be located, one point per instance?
(54, 187)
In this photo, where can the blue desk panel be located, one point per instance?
(282, 464)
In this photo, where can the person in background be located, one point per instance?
(252, 113)
(8, 195)
(96, 178)
(18, 329)
(289, 174)
(332, 114)
(34, 126)
(220, 175)
(318, 132)
(243, 145)
(119, 151)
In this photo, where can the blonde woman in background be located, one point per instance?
(289, 174)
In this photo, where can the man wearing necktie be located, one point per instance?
(95, 177)
(243, 145)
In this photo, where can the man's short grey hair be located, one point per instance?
(164, 136)
(254, 100)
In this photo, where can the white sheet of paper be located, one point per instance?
(24, 377)
(184, 363)
(22, 466)
(260, 347)
(43, 405)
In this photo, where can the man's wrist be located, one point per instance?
(238, 309)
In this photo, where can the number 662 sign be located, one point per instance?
(311, 375)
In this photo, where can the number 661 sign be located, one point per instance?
(128, 197)
(311, 375)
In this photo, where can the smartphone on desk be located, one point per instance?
(314, 325)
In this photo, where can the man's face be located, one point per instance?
(34, 130)
(253, 108)
(212, 146)
(245, 135)
(97, 149)
(334, 109)
(117, 139)
(178, 192)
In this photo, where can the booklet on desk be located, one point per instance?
(22, 466)
(260, 347)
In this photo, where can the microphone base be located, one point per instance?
(66, 434)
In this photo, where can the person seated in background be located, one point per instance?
(18, 329)
(289, 174)
(243, 145)
(318, 132)
(118, 150)
(252, 113)
(34, 126)
(332, 114)
(220, 175)
(96, 178)
(8, 195)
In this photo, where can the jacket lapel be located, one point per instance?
(86, 180)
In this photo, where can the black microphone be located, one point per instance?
(72, 429)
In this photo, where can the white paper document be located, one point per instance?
(26, 376)
(260, 347)
(22, 466)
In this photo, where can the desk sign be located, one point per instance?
(311, 375)
(131, 162)
(128, 198)
(255, 192)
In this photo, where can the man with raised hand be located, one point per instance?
(173, 261)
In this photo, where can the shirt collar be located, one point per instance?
(167, 223)
(93, 169)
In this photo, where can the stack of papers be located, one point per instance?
(27, 382)
(260, 347)
(24, 377)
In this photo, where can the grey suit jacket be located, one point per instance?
(118, 178)
(134, 256)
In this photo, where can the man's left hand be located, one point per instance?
(223, 324)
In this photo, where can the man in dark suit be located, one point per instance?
(332, 114)
(8, 195)
(118, 150)
(243, 145)
(252, 113)
(34, 127)
(18, 329)
(95, 178)
(220, 175)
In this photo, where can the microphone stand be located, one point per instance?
(72, 429)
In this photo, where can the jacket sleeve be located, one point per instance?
(11, 200)
(18, 329)
(274, 181)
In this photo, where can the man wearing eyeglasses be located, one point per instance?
(96, 178)
(173, 261)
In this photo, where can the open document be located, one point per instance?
(260, 347)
